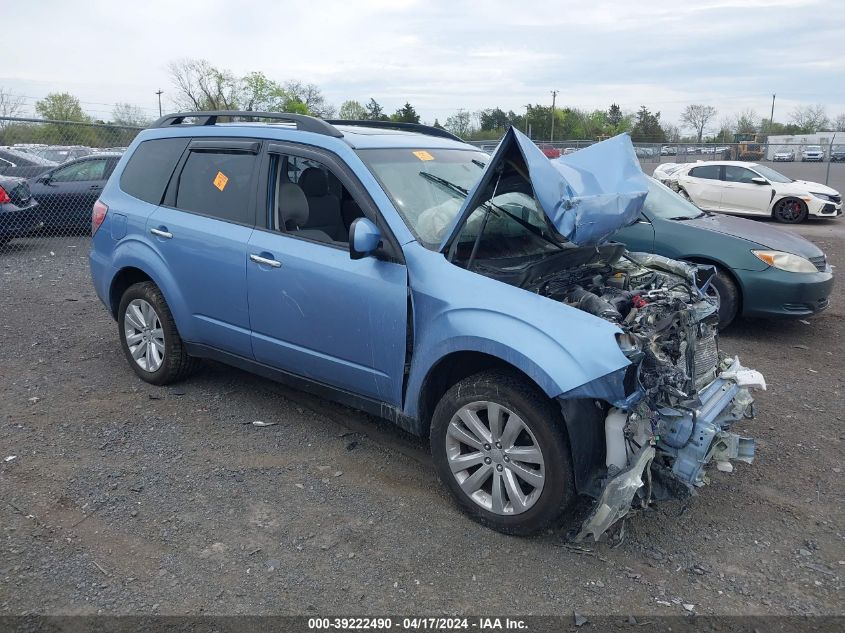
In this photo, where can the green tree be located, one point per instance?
(614, 115)
(460, 123)
(406, 114)
(493, 119)
(746, 122)
(258, 93)
(374, 111)
(61, 106)
(352, 111)
(647, 127)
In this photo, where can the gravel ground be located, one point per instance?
(128, 498)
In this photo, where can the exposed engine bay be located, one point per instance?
(681, 395)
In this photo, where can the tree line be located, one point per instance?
(199, 85)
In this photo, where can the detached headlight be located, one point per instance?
(822, 196)
(786, 261)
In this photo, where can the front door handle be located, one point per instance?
(258, 259)
(162, 233)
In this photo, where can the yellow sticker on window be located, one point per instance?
(423, 155)
(220, 180)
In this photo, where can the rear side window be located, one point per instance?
(217, 184)
(149, 169)
(710, 172)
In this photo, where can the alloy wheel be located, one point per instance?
(144, 335)
(495, 458)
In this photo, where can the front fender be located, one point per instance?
(555, 367)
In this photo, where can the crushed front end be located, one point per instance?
(675, 404)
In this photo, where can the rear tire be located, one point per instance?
(149, 337)
(524, 483)
(790, 211)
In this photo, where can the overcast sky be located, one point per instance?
(441, 55)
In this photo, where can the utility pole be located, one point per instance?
(159, 93)
(772, 116)
(552, 134)
(527, 124)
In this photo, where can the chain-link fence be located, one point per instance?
(51, 173)
(824, 163)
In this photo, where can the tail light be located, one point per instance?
(98, 214)
(4, 197)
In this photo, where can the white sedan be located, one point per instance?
(752, 189)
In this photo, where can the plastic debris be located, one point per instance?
(261, 423)
(10, 458)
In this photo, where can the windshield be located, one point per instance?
(771, 174)
(428, 188)
(55, 155)
(662, 202)
(25, 158)
(814, 148)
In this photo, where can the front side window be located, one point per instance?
(733, 173)
(770, 174)
(217, 184)
(709, 172)
(84, 170)
(308, 201)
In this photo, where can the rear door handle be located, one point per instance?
(258, 259)
(96, 187)
(162, 233)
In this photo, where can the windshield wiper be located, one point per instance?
(442, 181)
(489, 205)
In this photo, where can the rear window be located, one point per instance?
(149, 168)
(706, 171)
(217, 184)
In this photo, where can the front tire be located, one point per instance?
(725, 289)
(499, 445)
(149, 337)
(790, 211)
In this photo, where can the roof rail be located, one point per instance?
(429, 130)
(303, 122)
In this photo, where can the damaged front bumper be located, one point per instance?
(663, 454)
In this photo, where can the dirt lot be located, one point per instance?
(127, 498)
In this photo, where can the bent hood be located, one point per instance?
(587, 196)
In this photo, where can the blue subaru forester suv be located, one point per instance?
(472, 298)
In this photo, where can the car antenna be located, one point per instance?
(488, 209)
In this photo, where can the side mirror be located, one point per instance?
(759, 181)
(364, 238)
(45, 179)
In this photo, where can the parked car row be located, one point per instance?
(58, 198)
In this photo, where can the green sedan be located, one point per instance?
(763, 271)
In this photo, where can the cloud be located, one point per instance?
(442, 56)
